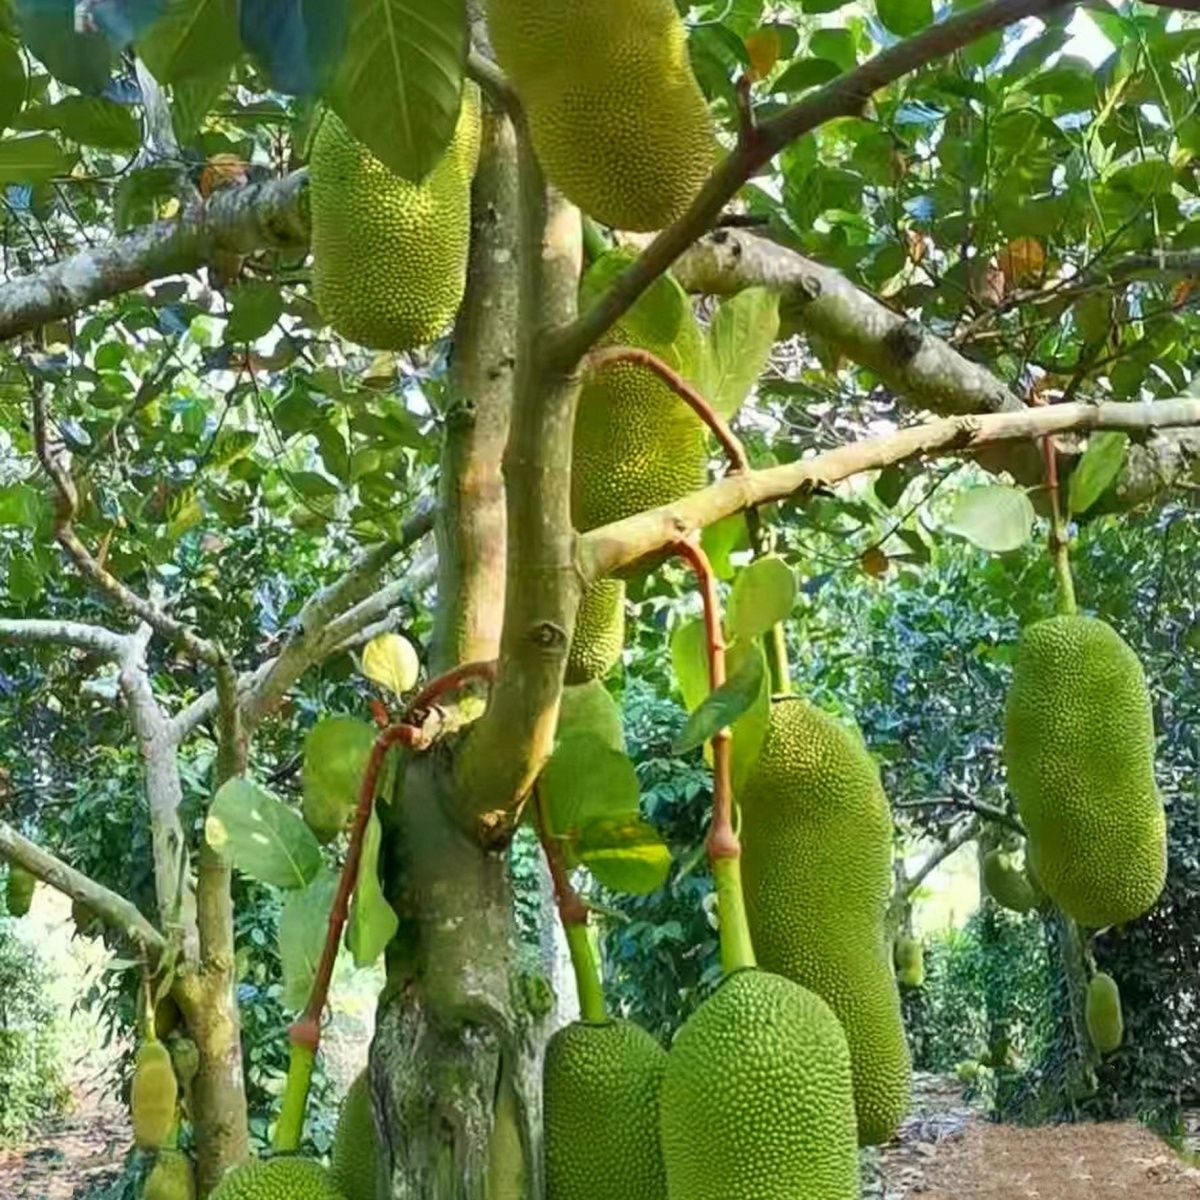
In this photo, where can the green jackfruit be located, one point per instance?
(910, 962)
(278, 1179)
(601, 1088)
(618, 121)
(390, 256)
(354, 1166)
(817, 868)
(599, 632)
(18, 895)
(757, 1101)
(1079, 748)
(171, 1178)
(1007, 884)
(1102, 1013)
(153, 1096)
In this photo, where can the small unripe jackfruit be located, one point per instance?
(19, 891)
(1102, 1013)
(614, 1069)
(1007, 884)
(910, 962)
(171, 1178)
(354, 1164)
(390, 256)
(153, 1096)
(599, 632)
(278, 1179)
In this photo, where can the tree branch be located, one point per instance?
(602, 551)
(98, 640)
(114, 910)
(939, 856)
(844, 96)
(963, 804)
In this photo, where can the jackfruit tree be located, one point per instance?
(386, 382)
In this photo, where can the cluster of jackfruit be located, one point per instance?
(354, 1165)
(617, 119)
(1007, 884)
(1079, 749)
(390, 255)
(910, 962)
(278, 1179)
(1102, 1013)
(19, 889)
(817, 865)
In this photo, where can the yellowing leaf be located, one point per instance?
(1022, 260)
(762, 48)
(391, 661)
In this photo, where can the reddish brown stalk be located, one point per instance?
(435, 689)
(733, 448)
(571, 909)
(722, 840)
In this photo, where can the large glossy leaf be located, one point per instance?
(722, 707)
(373, 921)
(586, 780)
(659, 314)
(750, 728)
(743, 330)
(399, 82)
(256, 305)
(298, 43)
(627, 856)
(261, 836)
(303, 925)
(21, 504)
(90, 120)
(391, 661)
(722, 539)
(191, 38)
(33, 158)
(83, 60)
(905, 17)
(1100, 465)
(589, 708)
(336, 752)
(689, 661)
(996, 517)
(762, 596)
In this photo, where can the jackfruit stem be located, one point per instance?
(777, 660)
(595, 244)
(737, 948)
(587, 972)
(290, 1127)
(1059, 543)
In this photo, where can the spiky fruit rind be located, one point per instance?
(599, 632)
(817, 868)
(1007, 884)
(354, 1163)
(1102, 1013)
(910, 962)
(390, 255)
(1079, 750)
(756, 1100)
(278, 1179)
(153, 1096)
(601, 1086)
(18, 894)
(171, 1178)
(617, 118)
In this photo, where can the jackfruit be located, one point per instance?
(1079, 749)
(910, 962)
(817, 870)
(1102, 1013)
(171, 1178)
(601, 1085)
(390, 256)
(617, 119)
(278, 1179)
(354, 1165)
(153, 1096)
(599, 632)
(757, 1101)
(1007, 884)
(18, 895)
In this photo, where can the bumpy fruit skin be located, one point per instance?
(1079, 748)
(355, 1163)
(910, 962)
(756, 1101)
(18, 895)
(601, 1086)
(278, 1179)
(390, 256)
(1102, 1013)
(171, 1178)
(153, 1096)
(616, 116)
(599, 632)
(1007, 884)
(817, 869)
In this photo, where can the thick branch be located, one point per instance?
(605, 550)
(939, 856)
(238, 220)
(66, 633)
(114, 910)
(965, 804)
(844, 96)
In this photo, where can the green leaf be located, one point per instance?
(626, 856)
(33, 158)
(399, 82)
(1100, 465)
(193, 99)
(586, 780)
(12, 82)
(261, 836)
(996, 518)
(891, 483)
(689, 660)
(192, 38)
(658, 316)
(373, 921)
(751, 727)
(904, 17)
(763, 595)
(82, 60)
(721, 708)
(336, 752)
(257, 305)
(22, 505)
(303, 925)
(90, 120)
(312, 486)
(837, 45)
(721, 539)
(807, 73)
(740, 338)
(589, 708)
(25, 578)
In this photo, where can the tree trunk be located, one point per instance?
(456, 1060)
